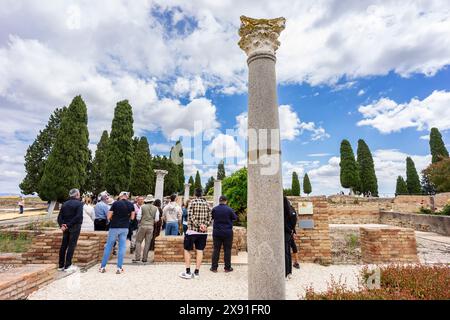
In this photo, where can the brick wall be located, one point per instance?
(314, 244)
(441, 199)
(19, 283)
(388, 245)
(45, 249)
(352, 214)
(170, 249)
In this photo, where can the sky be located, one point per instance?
(355, 69)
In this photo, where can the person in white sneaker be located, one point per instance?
(70, 218)
(199, 218)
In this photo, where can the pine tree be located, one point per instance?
(367, 176)
(306, 184)
(198, 181)
(192, 187)
(38, 152)
(120, 149)
(221, 171)
(437, 146)
(349, 174)
(66, 165)
(209, 185)
(295, 189)
(142, 172)
(99, 165)
(412, 178)
(401, 187)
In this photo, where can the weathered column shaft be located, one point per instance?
(217, 191)
(265, 228)
(159, 187)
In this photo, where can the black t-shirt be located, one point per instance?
(122, 210)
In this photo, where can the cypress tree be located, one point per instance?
(142, 171)
(209, 185)
(38, 152)
(306, 184)
(367, 176)
(192, 187)
(412, 178)
(120, 149)
(401, 187)
(176, 155)
(295, 189)
(198, 181)
(348, 168)
(66, 165)
(221, 171)
(99, 165)
(437, 146)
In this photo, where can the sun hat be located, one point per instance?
(149, 198)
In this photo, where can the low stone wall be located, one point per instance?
(388, 245)
(419, 222)
(441, 200)
(30, 202)
(19, 283)
(45, 249)
(351, 214)
(171, 249)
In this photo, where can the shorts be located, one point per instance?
(199, 240)
(293, 245)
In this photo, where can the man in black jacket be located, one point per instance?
(223, 217)
(70, 219)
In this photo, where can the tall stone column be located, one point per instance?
(265, 229)
(217, 191)
(159, 188)
(187, 187)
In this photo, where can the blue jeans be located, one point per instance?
(113, 234)
(172, 229)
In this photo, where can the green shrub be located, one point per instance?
(352, 241)
(13, 243)
(397, 282)
(446, 210)
(425, 211)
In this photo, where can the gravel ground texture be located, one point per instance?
(161, 281)
(6, 267)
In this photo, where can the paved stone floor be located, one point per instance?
(161, 281)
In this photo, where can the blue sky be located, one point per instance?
(376, 70)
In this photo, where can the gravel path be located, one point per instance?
(6, 267)
(161, 281)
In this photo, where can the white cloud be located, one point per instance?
(319, 155)
(225, 146)
(425, 137)
(191, 87)
(361, 92)
(389, 116)
(290, 125)
(160, 147)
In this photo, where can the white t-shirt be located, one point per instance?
(88, 218)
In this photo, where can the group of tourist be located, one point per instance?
(143, 221)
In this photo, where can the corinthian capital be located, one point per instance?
(260, 35)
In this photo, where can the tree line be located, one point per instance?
(60, 159)
(359, 174)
